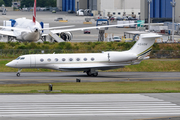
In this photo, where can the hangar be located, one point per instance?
(160, 10)
(74, 5)
(100, 6)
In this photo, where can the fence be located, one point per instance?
(12, 53)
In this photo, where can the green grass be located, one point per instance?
(15, 49)
(95, 88)
(155, 66)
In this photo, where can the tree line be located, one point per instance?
(30, 3)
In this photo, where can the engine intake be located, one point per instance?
(66, 36)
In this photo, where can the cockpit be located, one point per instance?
(20, 58)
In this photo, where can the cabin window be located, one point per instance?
(119, 13)
(114, 13)
(41, 60)
(70, 59)
(92, 59)
(56, 59)
(22, 58)
(85, 59)
(49, 60)
(78, 59)
(18, 58)
(63, 59)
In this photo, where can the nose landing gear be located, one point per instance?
(18, 73)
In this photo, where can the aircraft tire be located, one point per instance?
(95, 74)
(18, 74)
(88, 73)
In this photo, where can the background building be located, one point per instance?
(177, 11)
(161, 10)
(74, 5)
(100, 5)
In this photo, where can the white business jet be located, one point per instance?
(88, 62)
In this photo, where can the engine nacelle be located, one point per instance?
(66, 36)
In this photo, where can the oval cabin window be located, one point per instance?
(56, 59)
(78, 59)
(63, 59)
(85, 59)
(42, 60)
(49, 60)
(92, 59)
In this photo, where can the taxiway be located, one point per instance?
(53, 77)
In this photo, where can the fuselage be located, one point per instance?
(74, 62)
(30, 31)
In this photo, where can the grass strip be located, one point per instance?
(95, 88)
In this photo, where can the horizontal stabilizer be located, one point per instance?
(151, 35)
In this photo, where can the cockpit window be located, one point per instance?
(18, 58)
(22, 58)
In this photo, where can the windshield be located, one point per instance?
(18, 58)
(22, 58)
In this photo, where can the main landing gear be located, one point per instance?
(90, 73)
(18, 73)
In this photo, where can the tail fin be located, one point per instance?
(34, 12)
(144, 45)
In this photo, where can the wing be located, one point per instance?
(8, 33)
(15, 28)
(52, 28)
(96, 27)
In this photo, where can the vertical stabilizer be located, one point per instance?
(34, 12)
(144, 45)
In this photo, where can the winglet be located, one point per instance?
(34, 12)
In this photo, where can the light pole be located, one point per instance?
(173, 3)
(149, 1)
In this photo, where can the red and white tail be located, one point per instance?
(34, 12)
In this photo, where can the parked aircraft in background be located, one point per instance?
(23, 29)
(88, 62)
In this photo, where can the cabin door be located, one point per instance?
(33, 61)
(109, 57)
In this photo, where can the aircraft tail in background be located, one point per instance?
(34, 12)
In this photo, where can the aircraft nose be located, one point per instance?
(10, 64)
